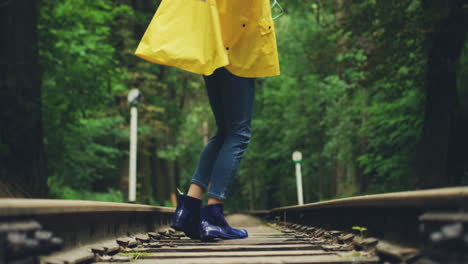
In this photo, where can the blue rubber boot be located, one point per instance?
(187, 216)
(213, 225)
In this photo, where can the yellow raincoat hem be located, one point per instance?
(183, 66)
(266, 72)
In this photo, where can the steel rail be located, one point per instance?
(28, 207)
(399, 217)
(453, 197)
(84, 222)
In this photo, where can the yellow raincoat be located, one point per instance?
(202, 35)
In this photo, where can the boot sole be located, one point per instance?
(210, 236)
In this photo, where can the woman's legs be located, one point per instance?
(202, 176)
(187, 215)
(238, 100)
(231, 99)
(195, 191)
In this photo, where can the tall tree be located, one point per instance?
(442, 123)
(22, 159)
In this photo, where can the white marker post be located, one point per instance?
(134, 98)
(297, 158)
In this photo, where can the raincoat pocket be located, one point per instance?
(185, 34)
(266, 29)
(266, 26)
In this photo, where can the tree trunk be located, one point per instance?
(154, 171)
(161, 189)
(171, 181)
(321, 165)
(333, 175)
(362, 176)
(22, 157)
(341, 181)
(144, 190)
(340, 14)
(440, 122)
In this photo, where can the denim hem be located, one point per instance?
(199, 183)
(216, 196)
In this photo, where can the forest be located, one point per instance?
(374, 93)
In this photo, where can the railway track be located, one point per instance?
(267, 243)
(408, 227)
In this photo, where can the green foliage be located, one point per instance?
(401, 133)
(80, 82)
(91, 161)
(64, 192)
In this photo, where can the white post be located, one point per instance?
(297, 158)
(300, 197)
(133, 155)
(134, 98)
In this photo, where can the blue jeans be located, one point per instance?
(232, 100)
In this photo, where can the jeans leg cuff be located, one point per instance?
(199, 183)
(216, 196)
